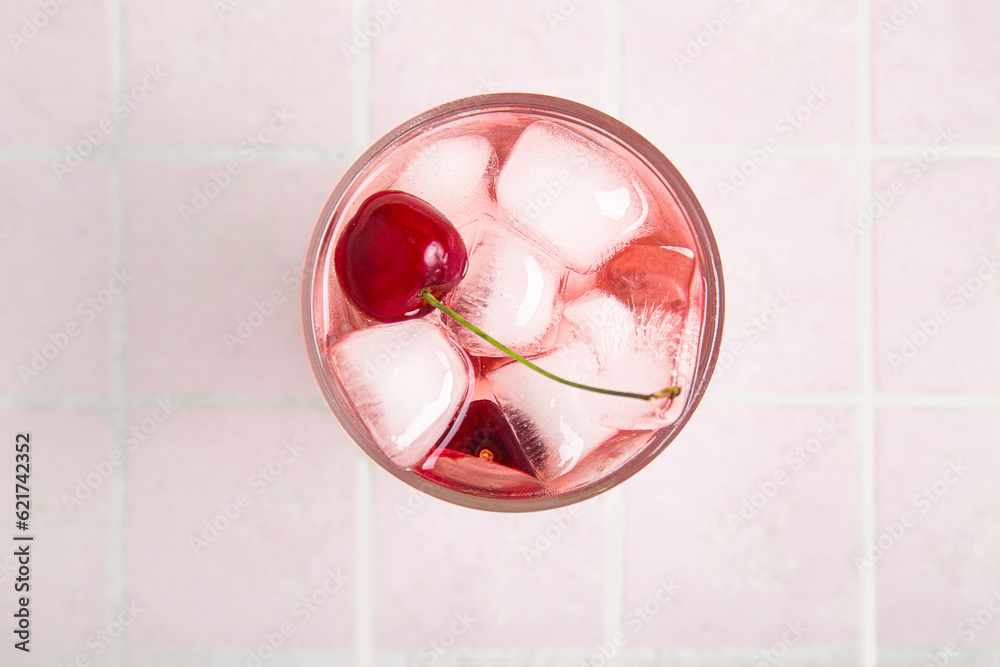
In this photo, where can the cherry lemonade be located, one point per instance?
(512, 302)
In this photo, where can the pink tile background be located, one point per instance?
(230, 65)
(747, 510)
(935, 65)
(771, 54)
(47, 103)
(938, 296)
(436, 560)
(454, 48)
(943, 569)
(267, 551)
(254, 58)
(56, 255)
(241, 255)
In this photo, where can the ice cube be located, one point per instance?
(601, 322)
(511, 293)
(610, 456)
(549, 418)
(454, 175)
(635, 351)
(572, 197)
(407, 383)
(650, 275)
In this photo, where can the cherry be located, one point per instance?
(394, 248)
(485, 433)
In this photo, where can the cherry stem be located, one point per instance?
(425, 294)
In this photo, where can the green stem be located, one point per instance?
(666, 392)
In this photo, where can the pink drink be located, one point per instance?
(588, 255)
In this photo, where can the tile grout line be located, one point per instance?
(867, 417)
(614, 56)
(361, 78)
(825, 655)
(118, 487)
(616, 508)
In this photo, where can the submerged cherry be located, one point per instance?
(485, 433)
(395, 247)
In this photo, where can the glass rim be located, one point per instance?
(602, 123)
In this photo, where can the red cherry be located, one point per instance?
(485, 433)
(394, 247)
